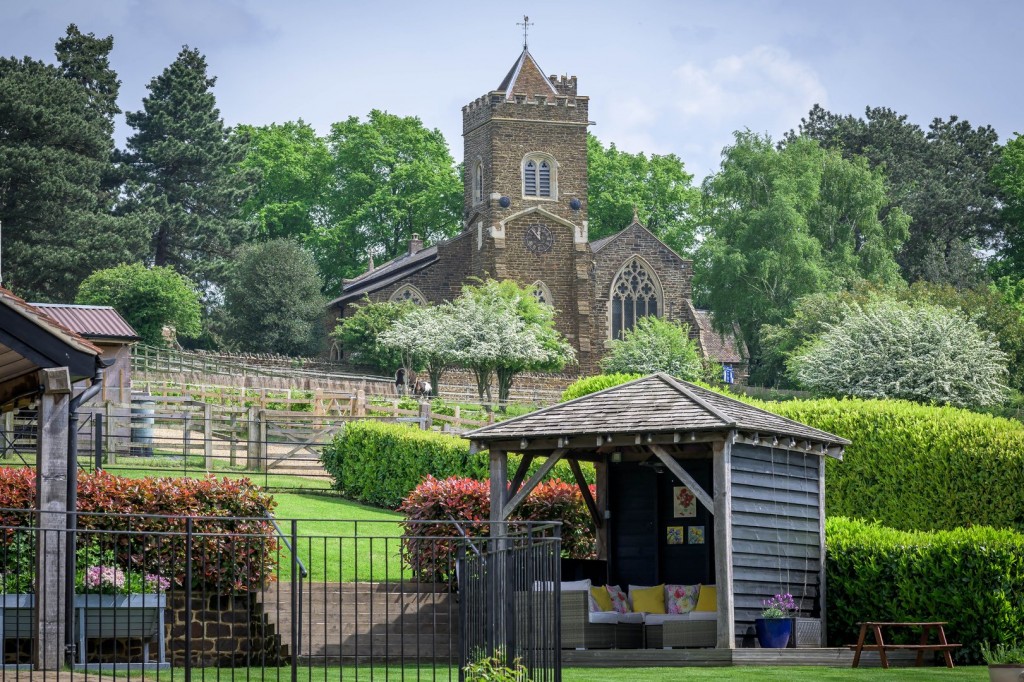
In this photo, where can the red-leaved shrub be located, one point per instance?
(467, 501)
(232, 550)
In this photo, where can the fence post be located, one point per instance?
(426, 418)
(360, 410)
(232, 460)
(263, 449)
(208, 434)
(252, 443)
(97, 432)
(185, 438)
(111, 444)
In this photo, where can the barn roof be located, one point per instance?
(31, 340)
(652, 404)
(91, 321)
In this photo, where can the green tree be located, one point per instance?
(940, 177)
(359, 334)
(272, 299)
(654, 345)
(1008, 176)
(922, 352)
(659, 188)
(784, 223)
(392, 178)
(181, 161)
(293, 168)
(148, 298)
(85, 59)
(54, 210)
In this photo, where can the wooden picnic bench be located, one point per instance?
(881, 646)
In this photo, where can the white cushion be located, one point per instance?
(703, 615)
(631, 617)
(576, 585)
(605, 617)
(662, 618)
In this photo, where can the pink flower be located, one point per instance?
(157, 583)
(104, 577)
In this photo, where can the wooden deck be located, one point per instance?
(832, 657)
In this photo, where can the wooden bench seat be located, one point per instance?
(881, 646)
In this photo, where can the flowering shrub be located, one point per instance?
(232, 551)
(779, 606)
(103, 579)
(467, 501)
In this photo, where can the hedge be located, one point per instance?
(229, 555)
(598, 382)
(971, 577)
(466, 499)
(380, 463)
(911, 466)
(917, 467)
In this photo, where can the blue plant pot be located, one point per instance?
(773, 633)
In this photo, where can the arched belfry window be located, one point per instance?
(540, 176)
(636, 292)
(542, 293)
(408, 292)
(478, 182)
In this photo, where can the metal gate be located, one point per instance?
(510, 603)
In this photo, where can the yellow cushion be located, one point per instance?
(649, 599)
(600, 595)
(707, 600)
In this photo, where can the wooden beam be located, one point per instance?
(585, 491)
(680, 473)
(517, 480)
(499, 489)
(596, 441)
(821, 533)
(601, 483)
(528, 487)
(722, 465)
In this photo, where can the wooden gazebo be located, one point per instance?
(692, 487)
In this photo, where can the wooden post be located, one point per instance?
(208, 435)
(426, 417)
(821, 534)
(498, 587)
(723, 542)
(233, 435)
(110, 444)
(263, 449)
(52, 506)
(360, 410)
(252, 447)
(601, 485)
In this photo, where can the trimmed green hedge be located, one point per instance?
(598, 382)
(971, 577)
(379, 463)
(915, 467)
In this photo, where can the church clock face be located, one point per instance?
(538, 238)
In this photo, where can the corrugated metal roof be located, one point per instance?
(91, 321)
(43, 319)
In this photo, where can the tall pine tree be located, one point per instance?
(56, 177)
(181, 159)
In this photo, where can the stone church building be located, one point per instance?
(525, 218)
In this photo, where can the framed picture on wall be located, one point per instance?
(684, 502)
(676, 535)
(696, 535)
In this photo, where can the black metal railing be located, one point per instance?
(183, 597)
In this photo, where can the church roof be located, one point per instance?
(385, 274)
(654, 404)
(719, 347)
(526, 77)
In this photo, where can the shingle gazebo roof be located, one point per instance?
(654, 404)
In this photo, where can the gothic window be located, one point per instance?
(540, 176)
(478, 182)
(408, 292)
(542, 293)
(636, 292)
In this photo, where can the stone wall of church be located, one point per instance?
(674, 273)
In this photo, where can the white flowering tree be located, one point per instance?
(655, 345)
(423, 339)
(924, 353)
(501, 330)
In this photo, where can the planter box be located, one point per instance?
(113, 616)
(16, 616)
(806, 633)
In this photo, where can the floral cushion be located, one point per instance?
(681, 598)
(619, 601)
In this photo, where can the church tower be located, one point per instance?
(525, 202)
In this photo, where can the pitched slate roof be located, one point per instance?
(526, 77)
(719, 347)
(91, 321)
(387, 273)
(656, 403)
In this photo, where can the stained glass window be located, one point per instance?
(635, 293)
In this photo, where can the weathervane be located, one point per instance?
(526, 24)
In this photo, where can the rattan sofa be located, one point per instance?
(578, 632)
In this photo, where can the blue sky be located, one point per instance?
(662, 76)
